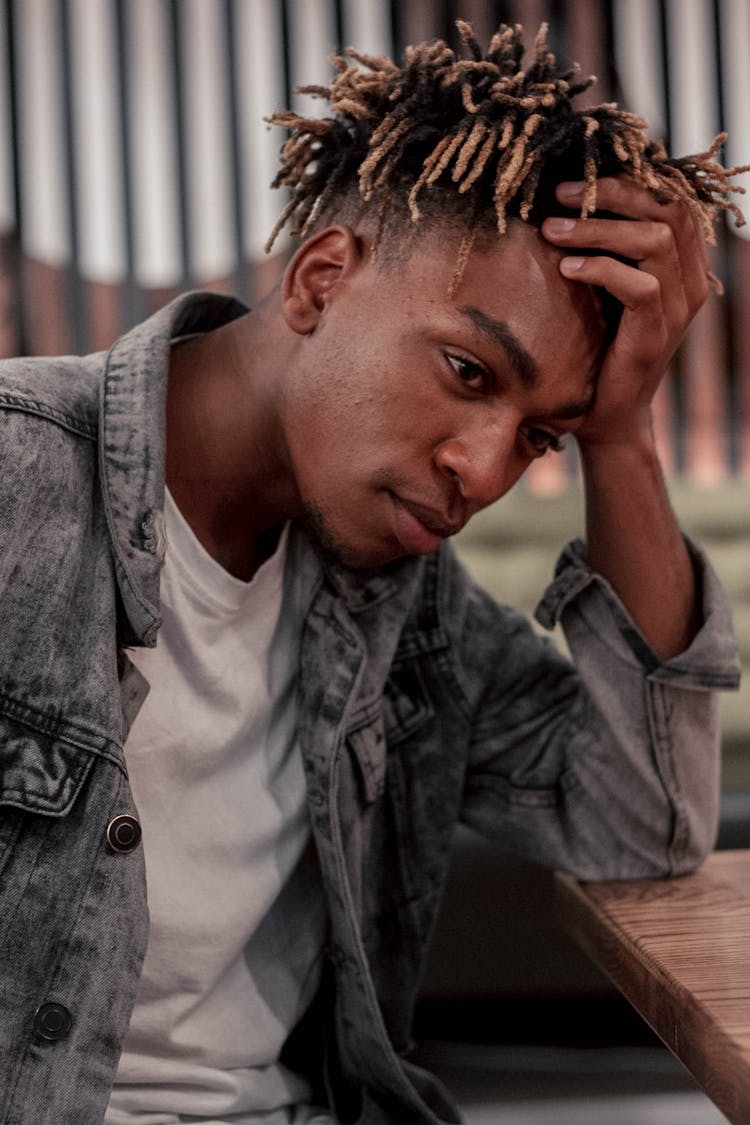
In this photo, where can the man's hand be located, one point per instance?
(632, 536)
(660, 294)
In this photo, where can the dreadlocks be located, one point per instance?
(495, 138)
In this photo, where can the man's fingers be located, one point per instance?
(638, 290)
(650, 244)
(641, 242)
(620, 195)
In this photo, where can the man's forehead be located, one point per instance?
(505, 276)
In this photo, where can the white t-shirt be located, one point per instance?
(237, 918)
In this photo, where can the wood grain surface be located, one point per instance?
(679, 950)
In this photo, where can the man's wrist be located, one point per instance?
(634, 441)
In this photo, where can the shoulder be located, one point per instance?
(48, 450)
(60, 391)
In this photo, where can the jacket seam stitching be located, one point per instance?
(41, 409)
(105, 492)
(54, 970)
(54, 728)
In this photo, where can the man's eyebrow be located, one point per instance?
(499, 333)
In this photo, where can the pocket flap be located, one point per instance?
(39, 773)
(406, 703)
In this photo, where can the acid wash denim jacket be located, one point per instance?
(421, 703)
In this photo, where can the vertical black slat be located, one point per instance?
(609, 77)
(716, 12)
(558, 36)
(286, 24)
(611, 55)
(21, 328)
(503, 11)
(678, 387)
(133, 305)
(727, 306)
(397, 30)
(392, 48)
(231, 96)
(618, 93)
(76, 297)
(181, 126)
(445, 24)
(286, 59)
(11, 70)
(338, 23)
(666, 75)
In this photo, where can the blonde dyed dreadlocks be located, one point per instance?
(496, 138)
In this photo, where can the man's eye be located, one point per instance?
(471, 374)
(542, 440)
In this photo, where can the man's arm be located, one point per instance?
(632, 535)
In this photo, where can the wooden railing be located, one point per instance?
(134, 161)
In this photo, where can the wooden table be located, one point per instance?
(679, 950)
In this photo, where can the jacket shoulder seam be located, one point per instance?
(75, 424)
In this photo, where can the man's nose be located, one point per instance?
(482, 466)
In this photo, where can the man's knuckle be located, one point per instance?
(699, 296)
(683, 312)
(650, 289)
(663, 240)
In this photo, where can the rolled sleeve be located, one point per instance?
(711, 661)
(609, 767)
(654, 761)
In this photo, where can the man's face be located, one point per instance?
(411, 409)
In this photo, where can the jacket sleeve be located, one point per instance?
(608, 767)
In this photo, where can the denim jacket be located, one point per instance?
(421, 703)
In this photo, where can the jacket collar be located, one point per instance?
(131, 450)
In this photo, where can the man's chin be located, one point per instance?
(334, 548)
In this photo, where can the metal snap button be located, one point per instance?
(52, 1021)
(123, 833)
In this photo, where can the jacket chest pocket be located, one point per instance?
(419, 808)
(40, 776)
(406, 704)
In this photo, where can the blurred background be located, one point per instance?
(134, 164)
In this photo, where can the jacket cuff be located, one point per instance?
(710, 661)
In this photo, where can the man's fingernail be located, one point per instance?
(559, 226)
(570, 189)
(570, 265)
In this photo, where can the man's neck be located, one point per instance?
(226, 461)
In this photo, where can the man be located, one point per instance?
(485, 271)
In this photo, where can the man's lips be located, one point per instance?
(431, 519)
(420, 529)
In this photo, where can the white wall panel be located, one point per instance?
(99, 170)
(367, 26)
(261, 92)
(638, 52)
(44, 189)
(692, 75)
(735, 47)
(154, 146)
(7, 208)
(208, 139)
(312, 33)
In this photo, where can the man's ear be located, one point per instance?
(321, 263)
